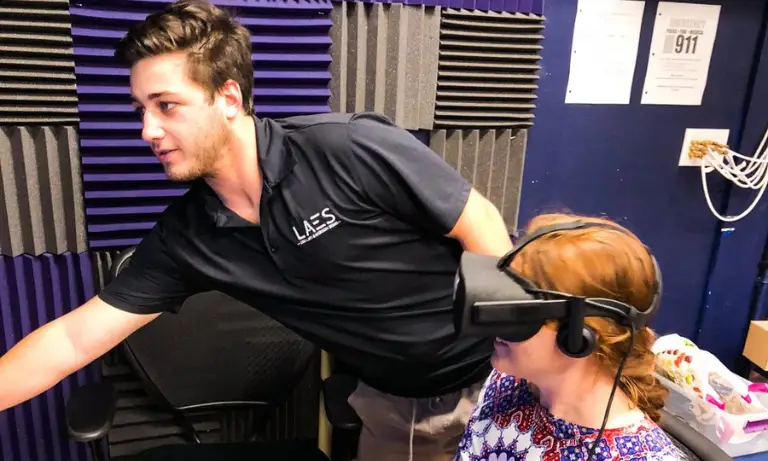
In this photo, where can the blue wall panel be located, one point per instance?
(34, 291)
(125, 187)
(727, 308)
(621, 160)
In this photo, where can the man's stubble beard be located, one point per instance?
(206, 158)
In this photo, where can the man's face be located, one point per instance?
(187, 133)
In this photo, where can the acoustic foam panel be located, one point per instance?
(34, 291)
(125, 187)
(41, 196)
(37, 80)
(512, 6)
(488, 69)
(385, 60)
(492, 160)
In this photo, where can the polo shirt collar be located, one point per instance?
(275, 162)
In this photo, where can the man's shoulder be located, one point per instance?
(330, 119)
(300, 123)
(343, 136)
(332, 127)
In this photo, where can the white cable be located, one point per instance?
(413, 429)
(749, 173)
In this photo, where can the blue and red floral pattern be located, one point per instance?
(509, 424)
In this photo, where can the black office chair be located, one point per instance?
(346, 423)
(217, 355)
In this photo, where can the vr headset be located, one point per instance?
(492, 300)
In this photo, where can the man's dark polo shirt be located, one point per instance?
(351, 251)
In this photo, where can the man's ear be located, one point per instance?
(231, 99)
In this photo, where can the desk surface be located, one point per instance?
(762, 456)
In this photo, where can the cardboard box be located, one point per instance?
(756, 346)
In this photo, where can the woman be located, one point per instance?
(539, 404)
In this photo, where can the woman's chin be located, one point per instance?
(498, 361)
(502, 357)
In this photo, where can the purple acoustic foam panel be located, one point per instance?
(511, 5)
(125, 187)
(538, 7)
(525, 6)
(34, 291)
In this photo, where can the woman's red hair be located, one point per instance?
(606, 262)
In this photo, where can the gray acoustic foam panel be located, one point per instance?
(37, 70)
(488, 69)
(384, 59)
(514, 6)
(41, 193)
(492, 160)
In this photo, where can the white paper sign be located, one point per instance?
(604, 50)
(681, 48)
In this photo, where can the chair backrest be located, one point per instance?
(689, 440)
(216, 353)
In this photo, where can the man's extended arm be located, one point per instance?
(151, 283)
(480, 228)
(61, 347)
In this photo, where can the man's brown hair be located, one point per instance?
(218, 47)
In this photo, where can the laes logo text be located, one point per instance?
(315, 226)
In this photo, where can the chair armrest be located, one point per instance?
(91, 412)
(696, 442)
(336, 390)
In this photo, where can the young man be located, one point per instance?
(343, 227)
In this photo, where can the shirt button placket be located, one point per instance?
(266, 224)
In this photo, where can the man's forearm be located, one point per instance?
(63, 346)
(35, 364)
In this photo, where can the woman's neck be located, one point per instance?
(580, 394)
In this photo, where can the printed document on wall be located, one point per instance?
(681, 48)
(605, 41)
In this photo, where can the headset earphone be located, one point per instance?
(492, 300)
(574, 337)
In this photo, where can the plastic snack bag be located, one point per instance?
(710, 385)
(701, 373)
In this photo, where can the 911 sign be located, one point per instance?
(681, 50)
(686, 44)
(682, 42)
